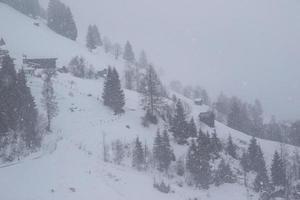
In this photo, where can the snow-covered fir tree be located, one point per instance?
(278, 171)
(215, 145)
(128, 53)
(192, 128)
(113, 95)
(162, 151)
(231, 147)
(49, 100)
(138, 156)
(179, 125)
(152, 93)
(27, 113)
(60, 19)
(198, 161)
(93, 38)
(224, 174)
(118, 151)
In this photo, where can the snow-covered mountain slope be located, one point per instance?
(70, 164)
(25, 38)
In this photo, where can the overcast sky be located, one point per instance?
(248, 48)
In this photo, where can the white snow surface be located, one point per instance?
(69, 165)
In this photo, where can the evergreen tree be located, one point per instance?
(143, 62)
(278, 171)
(168, 154)
(113, 95)
(93, 38)
(192, 160)
(60, 19)
(162, 151)
(27, 112)
(138, 159)
(253, 153)
(216, 145)
(97, 36)
(9, 95)
(90, 40)
(49, 100)
(223, 174)
(231, 148)
(238, 117)
(245, 163)
(118, 98)
(234, 116)
(198, 161)
(179, 126)
(157, 151)
(31, 8)
(152, 92)
(128, 53)
(106, 95)
(117, 50)
(261, 182)
(256, 113)
(192, 128)
(119, 152)
(129, 77)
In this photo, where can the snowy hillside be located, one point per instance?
(70, 164)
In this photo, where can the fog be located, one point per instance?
(245, 48)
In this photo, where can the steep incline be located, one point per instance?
(70, 165)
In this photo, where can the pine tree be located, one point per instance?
(9, 100)
(118, 98)
(60, 19)
(157, 151)
(167, 154)
(223, 174)
(244, 162)
(90, 40)
(278, 171)
(216, 145)
(152, 92)
(97, 36)
(234, 116)
(31, 8)
(253, 154)
(129, 77)
(203, 147)
(192, 159)
(27, 112)
(93, 38)
(261, 182)
(231, 148)
(49, 100)
(128, 53)
(198, 161)
(179, 126)
(106, 95)
(192, 128)
(117, 50)
(119, 152)
(143, 62)
(113, 95)
(256, 118)
(138, 159)
(162, 151)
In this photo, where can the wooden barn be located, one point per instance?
(208, 118)
(40, 63)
